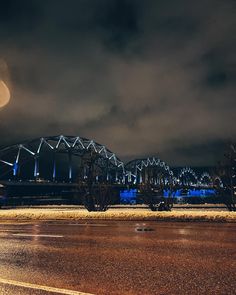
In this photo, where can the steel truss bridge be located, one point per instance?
(73, 160)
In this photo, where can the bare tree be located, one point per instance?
(227, 173)
(153, 197)
(95, 196)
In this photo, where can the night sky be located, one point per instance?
(141, 77)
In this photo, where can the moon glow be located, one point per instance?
(4, 94)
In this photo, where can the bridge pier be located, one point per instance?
(70, 166)
(54, 167)
(36, 167)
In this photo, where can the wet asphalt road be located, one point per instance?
(118, 258)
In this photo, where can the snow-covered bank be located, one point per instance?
(114, 214)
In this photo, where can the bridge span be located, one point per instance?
(73, 165)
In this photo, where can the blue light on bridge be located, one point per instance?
(201, 193)
(190, 193)
(174, 194)
(128, 196)
(15, 169)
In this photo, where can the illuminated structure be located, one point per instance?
(151, 170)
(60, 158)
(187, 177)
(72, 162)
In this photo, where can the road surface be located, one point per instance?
(117, 258)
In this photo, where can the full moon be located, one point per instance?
(4, 94)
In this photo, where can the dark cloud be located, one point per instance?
(19, 16)
(153, 78)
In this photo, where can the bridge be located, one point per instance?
(60, 164)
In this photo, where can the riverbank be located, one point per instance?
(31, 214)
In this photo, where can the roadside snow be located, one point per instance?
(114, 214)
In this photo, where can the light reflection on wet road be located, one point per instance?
(119, 257)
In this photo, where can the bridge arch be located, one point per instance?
(205, 179)
(41, 157)
(187, 177)
(217, 182)
(148, 170)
